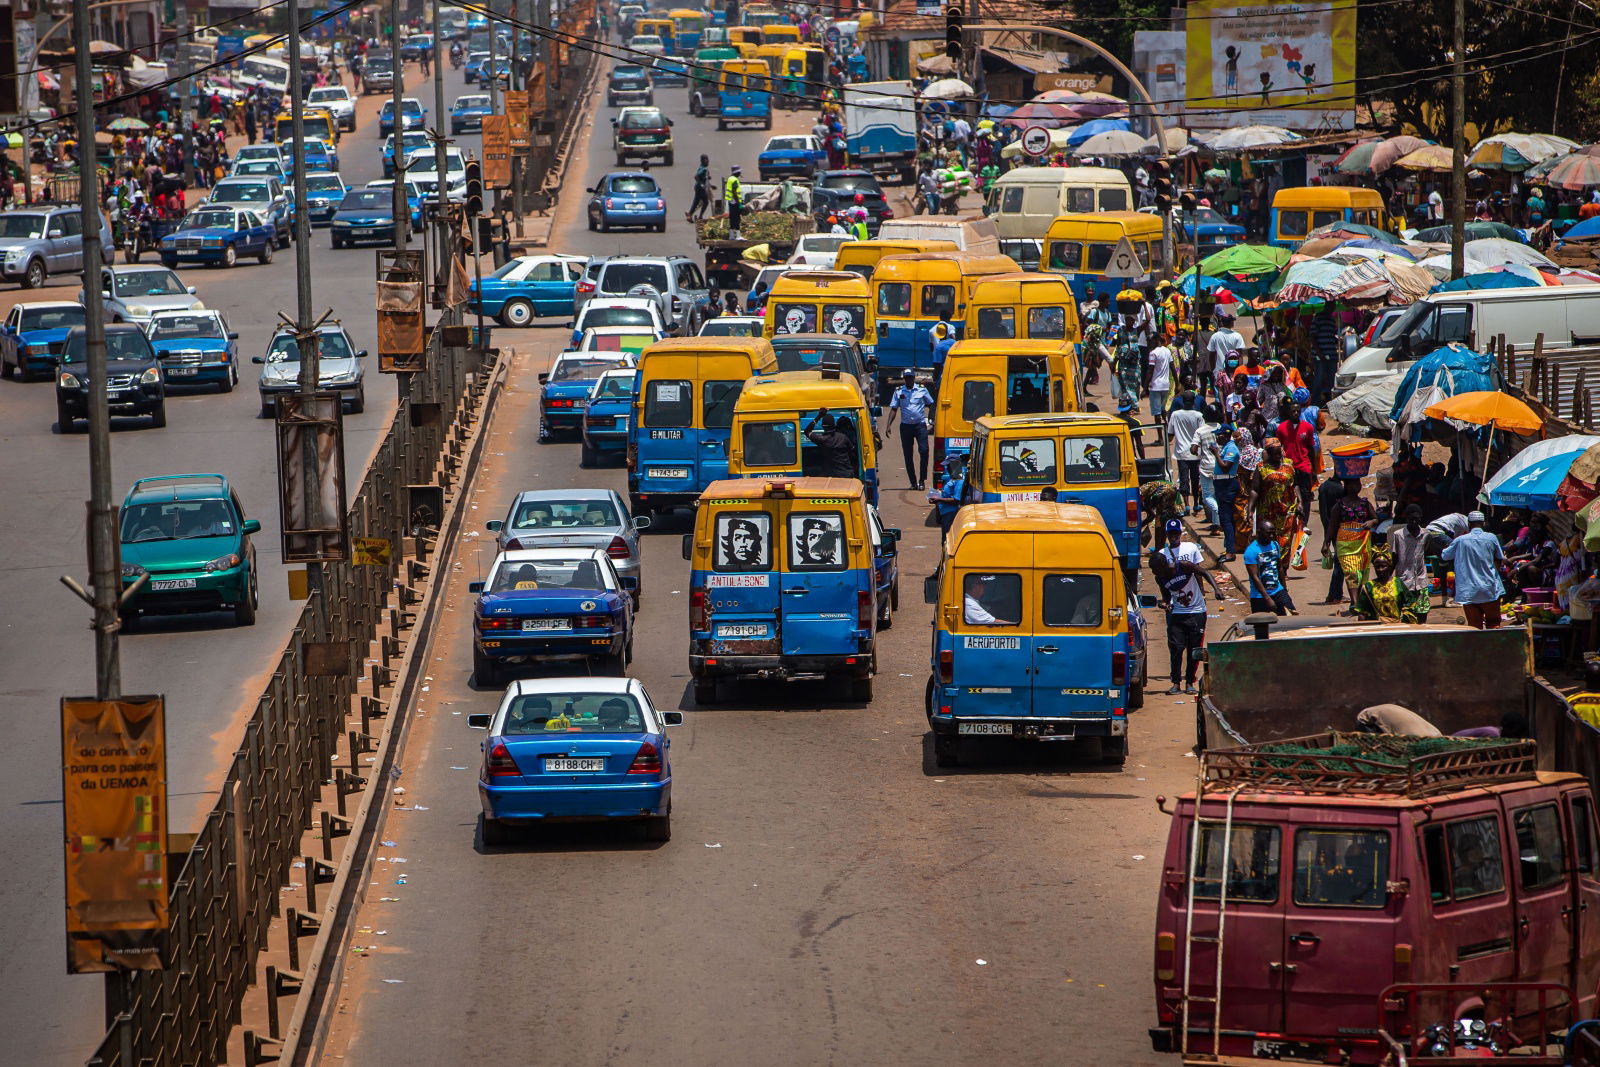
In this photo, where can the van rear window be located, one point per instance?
(939, 301)
(977, 399)
(894, 298)
(1464, 859)
(719, 399)
(1066, 255)
(1011, 199)
(1080, 200)
(1071, 600)
(1341, 868)
(1253, 863)
(1113, 199)
(1292, 224)
(997, 322)
(669, 403)
(1028, 461)
(1091, 459)
(1047, 323)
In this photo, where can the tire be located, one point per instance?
(721, 125)
(170, 264)
(64, 421)
(667, 162)
(269, 409)
(861, 690)
(661, 227)
(587, 457)
(230, 256)
(34, 276)
(7, 370)
(158, 417)
(622, 160)
(484, 670)
(265, 255)
(516, 312)
(284, 243)
(228, 381)
(885, 616)
(659, 827)
(616, 666)
(493, 832)
(605, 223)
(695, 109)
(705, 691)
(767, 125)
(946, 751)
(244, 612)
(894, 593)
(1114, 751)
(337, 242)
(359, 403)
(592, 224)
(132, 253)
(1136, 696)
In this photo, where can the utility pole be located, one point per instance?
(304, 328)
(107, 583)
(440, 156)
(186, 97)
(519, 9)
(1458, 138)
(402, 207)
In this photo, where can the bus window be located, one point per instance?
(1028, 461)
(1065, 255)
(1011, 199)
(1113, 199)
(1292, 224)
(718, 400)
(1099, 257)
(1325, 218)
(977, 399)
(997, 322)
(1027, 385)
(894, 298)
(939, 301)
(1047, 323)
(1154, 258)
(1080, 201)
(669, 403)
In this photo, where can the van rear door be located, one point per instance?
(1583, 921)
(667, 438)
(1092, 465)
(1074, 637)
(717, 398)
(991, 654)
(818, 588)
(742, 587)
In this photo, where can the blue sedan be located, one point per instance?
(467, 113)
(564, 391)
(792, 155)
(413, 116)
(543, 605)
(364, 215)
(324, 192)
(411, 141)
(195, 348)
(627, 198)
(33, 335)
(528, 287)
(606, 414)
(575, 750)
(218, 236)
(321, 156)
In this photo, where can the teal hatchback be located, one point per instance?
(187, 536)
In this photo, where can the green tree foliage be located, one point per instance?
(1111, 23)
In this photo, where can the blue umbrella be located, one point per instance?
(998, 111)
(1530, 478)
(1491, 279)
(1587, 229)
(1186, 283)
(1388, 247)
(1094, 126)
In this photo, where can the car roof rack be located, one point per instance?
(1359, 764)
(161, 483)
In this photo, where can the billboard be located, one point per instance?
(1281, 64)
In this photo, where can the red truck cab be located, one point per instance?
(1356, 863)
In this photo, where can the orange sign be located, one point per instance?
(114, 793)
(517, 118)
(496, 152)
(537, 103)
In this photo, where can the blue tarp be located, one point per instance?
(1094, 126)
(1492, 279)
(1440, 374)
(1584, 228)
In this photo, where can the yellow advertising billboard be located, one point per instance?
(114, 791)
(1283, 64)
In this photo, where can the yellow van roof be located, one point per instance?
(1104, 225)
(963, 262)
(745, 65)
(1009, 288)
(799, 488)
(800, 390)
(1065, 419)
(1028, 516)
(898, 246)
(1006, 346)
(843, 283)
(757, 349)
(1327, 196)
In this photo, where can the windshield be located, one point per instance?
(164, 327)
(814, 242)
(320, 183)
(242, 192)
(472, 101)
(177, 520)
(627, 72)
(808, 356)
(577, 370)
(620, 277)
(645, 41)
(617, 317)
(321, 95)
(120, 344)
(546, 514)
(21, 225)
(643, 120)
(258, 166)
(57, 318)
(1402, 324)
(615, 385)
(368, 199)
(730, 327)
(588, 713)
(641, 186)
(155, 282)
(853, 183)
(786, 144)
(330, 345)
(204, 220)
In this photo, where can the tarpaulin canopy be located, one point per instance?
(1367, 403)
(1497, 279)
(1531, 478)
(1437, 376)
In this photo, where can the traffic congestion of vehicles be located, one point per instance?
(690, 524)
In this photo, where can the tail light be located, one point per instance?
(497, 763)
(1132, 513)
(617, 549)
(1119, 668)
(887, 213)
(586, 286)
(947, 666)
(591, 622)
(633, 456)
(609, 203)
(865, 609)
(699, 611)
(660, 204)
(648, 760)
(513, 542)
(498, 624)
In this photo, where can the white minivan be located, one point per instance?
(1567, 315)
(1025, 201)
(970, 233)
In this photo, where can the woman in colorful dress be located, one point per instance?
(1350, 533)
(1272, 496)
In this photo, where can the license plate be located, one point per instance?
(543, 624)
(173, 583)
(669, 472)
(742, 629)
(1000, 728)
(635, 207)
(363, 230)
(183, 372)
(596, 764)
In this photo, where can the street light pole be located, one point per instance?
(1458, 138)
(401, 206)
(107, 583)
(304, 329)
(185, 99)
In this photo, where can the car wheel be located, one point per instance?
(265, 255)
(587, 456)
(485, 671)
(605, 223)
(661, 227)
(64, 420)
(695, 109)
(359, 404)
(132, 253)
(493, 832)
(269, 409)
(946, 751)
(622, 160)
(158, 417)
(244, 612)
(1114, 751)
(894, 594)
(283, 241)
(659, 827)
(705, 691)
(516, 312)
(885, 617)
(7, 370)
(228, 382)
(35, 275)
(593, 223)
(668, 160)
(721, 125)
(861, 690)
(230, 256)
(337, 243)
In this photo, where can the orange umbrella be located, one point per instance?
(1488, 408)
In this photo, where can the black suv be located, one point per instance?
(834, 190)
(135, 385)
(629, 85)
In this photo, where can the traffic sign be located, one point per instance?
(1036, 141)
(1125, 262)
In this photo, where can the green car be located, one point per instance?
(187, 535)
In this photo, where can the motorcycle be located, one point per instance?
(455, 56)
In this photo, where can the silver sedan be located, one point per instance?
(591, 518)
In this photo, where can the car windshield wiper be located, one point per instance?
(148, 540)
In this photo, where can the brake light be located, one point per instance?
(497, 763)
(586, 287)
(660, 204)
(1131, 516)
(617, 549)
(497, 624)
(699, 611)
(513, 543)
(947, 666)
(1119, 668)
(590, 622)
(648, 760)
(865, 609)
(608, 203)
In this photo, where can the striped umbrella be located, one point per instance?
(1576, 171)
(1428, 157)
(1037, 114)
(1384, 156)
(1335, 278)
(1518, 151)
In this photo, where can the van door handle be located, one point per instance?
(1048, 649)
(1305, 939)
(796, 591)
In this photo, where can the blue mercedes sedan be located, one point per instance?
(218, 235)
(575, 750)
(195, 348)
(468, 111)
(33, 335)
(544, 605)
(324, 193)
(364, 215)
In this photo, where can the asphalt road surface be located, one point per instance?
(828, 897)
(210, 670)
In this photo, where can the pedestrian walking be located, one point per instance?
(1263, 561)
(912, 404)
(1179, 569)
(702, 190)
(1477, 557)
(733, 198)
(1183, 430)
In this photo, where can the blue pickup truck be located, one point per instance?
(545, 604)
(218, 236)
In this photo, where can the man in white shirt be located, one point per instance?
(1160, 362)
(1179, 568)
(1435, 204)
(1225, 344)
(1183, 429)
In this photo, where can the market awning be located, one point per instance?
(1531, 478)
(1437, 376)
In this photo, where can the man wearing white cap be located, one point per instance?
(1477, 556)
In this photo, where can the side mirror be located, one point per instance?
(105, 294)
(877, 411)
(233, 335)
(640, 522)
(494, 525)
(190, 288)
(543, 378)
(258, 359)
(361, 353)
(1149, 600)
(891, 536)
(474, 587)
(53, 233)
(688, 546)
(250, 526)
(479, 720)
(672, 718)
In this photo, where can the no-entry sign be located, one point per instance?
(1036, 141)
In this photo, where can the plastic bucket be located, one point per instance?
(1355, 465)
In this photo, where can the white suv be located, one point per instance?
(337, 101)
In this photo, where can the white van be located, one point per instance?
(1026, 200)
(262, 70)
(1567, 315)
(971, 233)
